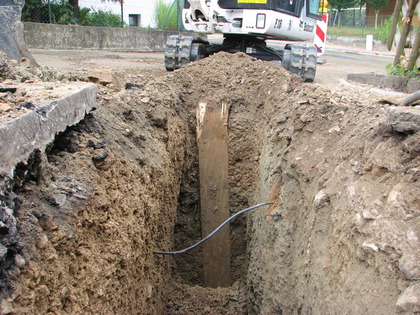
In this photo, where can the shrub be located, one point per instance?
(401, 71)
(161, 13)
(381, 33)
(101, 18)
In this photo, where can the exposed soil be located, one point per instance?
(342, 234)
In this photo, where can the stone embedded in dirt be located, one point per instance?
(53, 200)
(42, 241)
(4, 108)
(101, 160)
(413, 238)
(100, 157)
(369, 247)
(8, 89)
(409, 301)
(99, 77)
(6, 307)
(47, 223)
(334, 129)
(3, 252)
(129, 86)
(104, 77)
(404, 119)
(95, 145)
(370, 215)
(65, 179)
(81, 197)
(409, 265)
(4, 66)
(28, 105)
(145, 100)
(36, 214)
(158, 117)
(8, 224)
(60, 199)
(20, 261)
(321, 197)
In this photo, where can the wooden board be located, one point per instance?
(214, 191)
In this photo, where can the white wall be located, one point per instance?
(142, 7)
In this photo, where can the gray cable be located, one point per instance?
(212, 233)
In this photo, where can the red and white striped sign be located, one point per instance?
(321, 34)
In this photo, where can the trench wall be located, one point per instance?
(99, 200)
(337, 239)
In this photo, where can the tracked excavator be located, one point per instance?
(246, 26)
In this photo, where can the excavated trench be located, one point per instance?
(126, 182)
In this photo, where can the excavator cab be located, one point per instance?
(246, 25)
(286, 6)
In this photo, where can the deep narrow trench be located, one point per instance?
(243, 160)
(101, 201)
(244, 145)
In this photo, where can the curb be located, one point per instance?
(401, 84)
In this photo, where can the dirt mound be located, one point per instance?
(342, 235)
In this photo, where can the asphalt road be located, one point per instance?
(339, 62)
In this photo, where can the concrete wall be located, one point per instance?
(54, 36)
(359, 42)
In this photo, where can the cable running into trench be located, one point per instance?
(212, 233)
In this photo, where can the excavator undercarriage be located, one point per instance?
(298, 59)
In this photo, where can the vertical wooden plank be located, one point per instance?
(214, 191)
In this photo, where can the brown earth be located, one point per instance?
(341, 236)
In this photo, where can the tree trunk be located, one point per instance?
(339, 17)
(36, 15)
(376, 19)
(75, 8)
(405, 31)
(414, 52)
(393, 29)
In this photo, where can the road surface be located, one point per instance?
(340, 62)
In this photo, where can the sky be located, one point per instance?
(143, 7)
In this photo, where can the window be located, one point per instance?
(134, 19)
(313, 7)
(292, 7)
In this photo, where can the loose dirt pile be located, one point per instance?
(341, 237)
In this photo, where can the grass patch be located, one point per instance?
(350, 31)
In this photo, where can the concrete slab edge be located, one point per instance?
(401, 84)
(36, 129)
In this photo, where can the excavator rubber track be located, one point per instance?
(303, 61)
(177, 51)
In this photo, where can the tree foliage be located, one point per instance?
(343, 4)
(377, 4)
